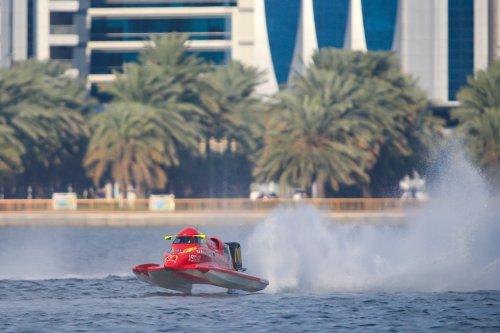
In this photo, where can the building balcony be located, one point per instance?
(71, 6)
(160, 12)
(63, 35)
(64, 40)
(194, 45)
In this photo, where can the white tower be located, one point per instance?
(355, 32)
(306, 43)
(262, 51)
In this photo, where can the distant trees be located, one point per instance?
(479, 121)
(128, 146)
(178, 101)
(139, 134)
(347, 115)
(232, 110)
(311, 134)
(352, 124)
(230, 130)
(42, 124)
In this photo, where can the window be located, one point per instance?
(282, 17)
(162, 3)
(331, 21)
(460, 44)
(105, 62)
(186, 240)
(379, 19)
(140, 29)
(61, 53)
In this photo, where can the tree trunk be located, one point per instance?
(320, 185)
(366, 191)
(139, 190)
(123, 189)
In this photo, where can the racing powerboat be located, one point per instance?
(194, 258)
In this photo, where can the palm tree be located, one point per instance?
(479, 120)
(409, 140)
(127, 145)
(148, 85)
(170, 53)
(480, 93)
(314, 138)
(371, 111)
(42, 108)
(232, 110)
(232, 119)
(195, 100)
(11, 150)
(162, 81)
(484, 144)
(158, 89)
(221, 97)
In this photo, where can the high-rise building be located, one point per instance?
(439, 42)
(16, 30)
(118, 30)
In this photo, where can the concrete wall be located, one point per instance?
(5, 33)
(421, 43)
(306, 43)
(254, 28)
(494, 30)
(480, 34)
(355, 38)
(13, 31)
(20, 30)
(42, 49)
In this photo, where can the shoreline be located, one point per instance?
(159, 219)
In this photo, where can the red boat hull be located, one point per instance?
(183, 279)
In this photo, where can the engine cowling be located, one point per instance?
(235, 250)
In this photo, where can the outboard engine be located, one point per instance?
(235, 250)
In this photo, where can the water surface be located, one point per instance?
(79, 279)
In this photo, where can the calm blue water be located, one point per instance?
(79, 279)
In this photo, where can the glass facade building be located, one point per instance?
(330, 22)
(160, 4)
(282, 19)
(439, 42)
(31, 28)
(330, 18)
(110, 29)
(107, 62)
(116, 24)
(379, 19)
(460, 44)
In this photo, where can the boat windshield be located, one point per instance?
(187, 240)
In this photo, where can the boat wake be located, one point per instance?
(451, 244)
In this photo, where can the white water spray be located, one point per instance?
(452, 243)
